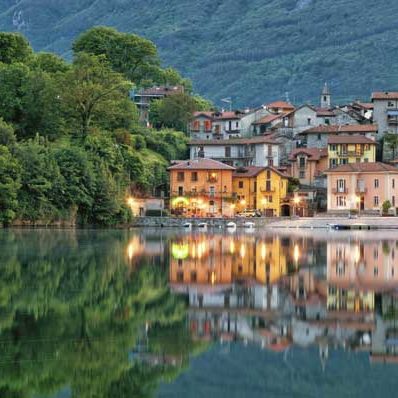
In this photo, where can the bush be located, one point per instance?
(386, 206)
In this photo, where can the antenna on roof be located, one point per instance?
(228, 100)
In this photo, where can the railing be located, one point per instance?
(267, 189)
(361, 190)
(339, 190)
(349, 153)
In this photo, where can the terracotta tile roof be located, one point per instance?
(345, 128)
(321, 112)
(200, 164)
(313, 153)
(280, 104)
(269, 119)
(350, 139)
(365, 105)
(234, 115)
(386, 95)
(237, 141)
(279, 172)
(376, 167)
(247, 172)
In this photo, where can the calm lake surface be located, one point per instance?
(169, 313)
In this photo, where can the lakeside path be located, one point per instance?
(324, 222)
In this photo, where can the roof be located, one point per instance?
(162, 90)
(343, 128)
(280, 104)
(313, 153)
(365, 105)
(247, 172)
(376, 167)
(230, 115)
(386, 95)
(237, 141)
(325, 112)
(200, 164)
(269, 118)
(350, 139)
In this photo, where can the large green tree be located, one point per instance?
(14, 48)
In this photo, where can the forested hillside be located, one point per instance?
(254, 51)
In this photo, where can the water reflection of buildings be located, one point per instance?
(281, 290)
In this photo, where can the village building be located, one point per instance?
(261, 189)
(280, 107)
(308, 165)
(363, 187)
(144, 98)
(259, 151)
(385, 112)
(201, 188)
(207, 125)
(343, 149)
(317, 137)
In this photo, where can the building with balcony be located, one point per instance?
(259, 188)
(224, 125)
(308, 165)
(385, 111)
(361, 187)
(258, 151)
(201, 188)
(343, 149)
(317, 137)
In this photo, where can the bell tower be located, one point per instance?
(326, 99)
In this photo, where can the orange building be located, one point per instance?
(308, 165)
(201, 188)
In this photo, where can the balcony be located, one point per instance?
(267, 189)
(348, 154)
(339, 190)
(361, 190)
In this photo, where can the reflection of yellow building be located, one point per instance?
(349, 300)
(225, 259)
(259, 188)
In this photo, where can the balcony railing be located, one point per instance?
(267, 189)
(339, 190)
(361, 190)
(349, 154)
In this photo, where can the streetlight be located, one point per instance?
(296, 202)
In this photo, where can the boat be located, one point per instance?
(187, 226)
(202, 226)
(231, 226)
(249, 226)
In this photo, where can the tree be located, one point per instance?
(9, 185)
(14, 48)
(89, 84)
(7, 134)
(174, 111)
(133, 56)
(391, 140)
(48, 62)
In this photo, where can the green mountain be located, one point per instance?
(251, 50)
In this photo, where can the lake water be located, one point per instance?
(168, 313)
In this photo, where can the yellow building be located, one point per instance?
(343, 149)
(349, 300)
(259, 188)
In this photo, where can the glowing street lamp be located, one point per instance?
(296, 202)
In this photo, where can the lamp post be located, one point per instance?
(296, 202)
(264, 204)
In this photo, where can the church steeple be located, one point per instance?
(326, 99)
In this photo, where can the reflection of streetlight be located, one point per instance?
(243, 202)
(233, 208)
(358, 201)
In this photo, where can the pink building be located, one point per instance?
(362, 186)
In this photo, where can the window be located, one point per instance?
(333, 147)
(319, 137)
(180, 191)
(341, 185)
(237, 125)
(332, 163)
(212, 177)
(376, 183)
(343, 161)
(180, 176)
(375, 271)
(340, 201)
(390, 104)
(194, 191)
(208, 125)
(225, 188)
(327, 121)
(193, 276)
(227, 151)
(270, 199)
(180, 276)
(268, 174)
(376, 201)
(302, 174)
(194, 176)
(268, 186)
(309, 121)
(212, 191)
(301, 160)
(240, 184)
(393, 183)
(358, 160)
(393, 201)
(196, 125)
